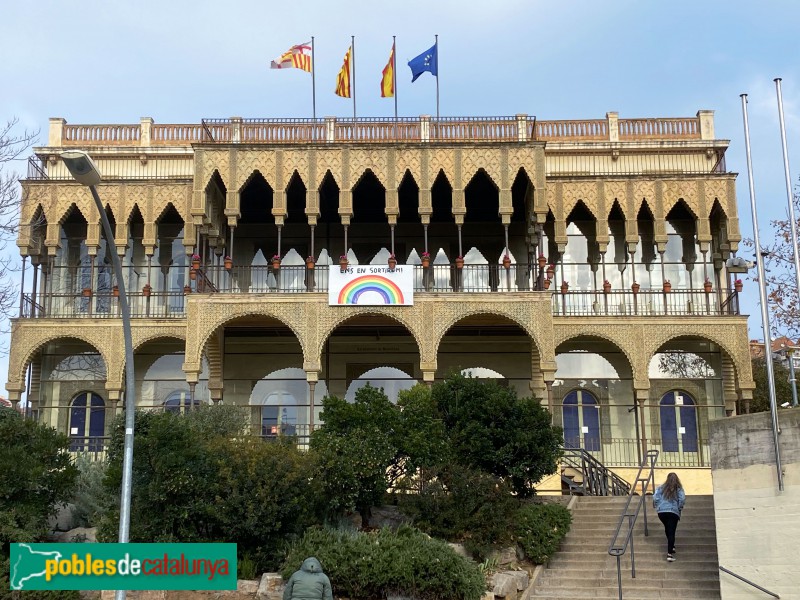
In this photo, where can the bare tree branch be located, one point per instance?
(780, 278)
(13, 145)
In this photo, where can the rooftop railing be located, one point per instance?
(518, 128)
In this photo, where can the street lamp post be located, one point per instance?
(85, 172)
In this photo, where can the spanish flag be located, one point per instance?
(387, 82)
(343, 79)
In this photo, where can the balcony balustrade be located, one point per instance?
(613, 452)
(167, 299)
(517, 128)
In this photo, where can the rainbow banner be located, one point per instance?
(371, 285)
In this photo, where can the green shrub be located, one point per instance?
(197, 479)
(363, 566)
(353, 451)
(464, 505)
(90, 498)
(493, 430)
(36, 477)
(540, 528)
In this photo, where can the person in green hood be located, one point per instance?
(309, 583)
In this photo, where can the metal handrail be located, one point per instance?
(748, 582)
(616, 549)
(598, 480)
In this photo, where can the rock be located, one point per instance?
(271, 587)
(487, 596)
(505, 556)
(459, 549)
(520, 577)
(247, 586)
(79, 534)
(387, 516)
(505, 585)
(246, 589)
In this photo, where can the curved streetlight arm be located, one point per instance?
(83, 169)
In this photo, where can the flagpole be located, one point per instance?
(353, 68)
(313, 85)
(792, 218)
(437, 76)
(394, 74)
(762, 293)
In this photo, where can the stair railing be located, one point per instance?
(598, 480)
(622, 539)
(748, 582)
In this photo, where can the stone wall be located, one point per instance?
(757, 525)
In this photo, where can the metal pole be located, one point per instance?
(789, 197)
(22, 286)
(762, 292)
(313, 93)
(130, 382)
(792, 378)
(394, 78)
(353, 68)
(436, 37)
(635, 411)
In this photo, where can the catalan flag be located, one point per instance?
(343, 79)
(387, 81)
(296, 57)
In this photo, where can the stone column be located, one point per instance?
(613, 126)
(642, 395)
(729, 393)
(56, 134)
(114, 394)
(706, 118)
(146, 131)
(312, 377)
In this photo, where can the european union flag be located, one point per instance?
(427, 61)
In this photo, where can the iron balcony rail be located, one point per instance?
(625, 451)
(645, 302)
(105, 305)
(118, 167)
(617, 547)
(70, 300)
(95, 448)
(748, 582)
(596, 479)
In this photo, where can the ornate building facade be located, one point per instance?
(580, 261)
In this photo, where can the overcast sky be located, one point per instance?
(178, 61)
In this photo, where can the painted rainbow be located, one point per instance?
(385, 288)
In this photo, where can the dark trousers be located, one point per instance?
(670, 521)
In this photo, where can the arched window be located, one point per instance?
(279, 414)
(87, 422)
(178, 402)
(390, 379)
(678, 412)
(581, 421)
(283, 398)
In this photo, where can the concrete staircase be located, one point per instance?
(583, 569)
